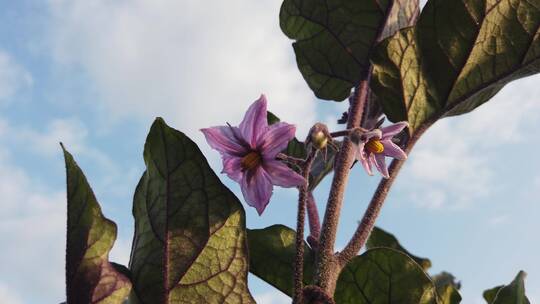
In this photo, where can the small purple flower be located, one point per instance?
(373, 146)
(249, 154)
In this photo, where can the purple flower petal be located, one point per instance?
(367, 165)
(225, 140)
(276, 139)
(393, 150)
(254, 123)
(380, 164)
(257, 189)
(232, 166)
(359, 153)
(390, 131)
(281, 175)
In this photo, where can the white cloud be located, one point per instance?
(13, 77)
(9, 296)
(272, 297)
(75, 136)
(499, 220)
(455, 163)
(71, 131)
(197, 64)
(32, 217)
(32, 224)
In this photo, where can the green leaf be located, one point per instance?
(271, 257)
(90, 277)
(447, 288)
(322, 165)
(490, 294)
(190, 241)
(271, 118)
(459, 54)
(381, 238)
(384, 275)
(334, 39)
(514, 293)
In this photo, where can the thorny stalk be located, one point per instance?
(299, 258)
(372, 212)
(314, 222)
(327, 268)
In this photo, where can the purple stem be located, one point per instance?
(299, 258)
(374, 208)
(327, 268)
(314, 222)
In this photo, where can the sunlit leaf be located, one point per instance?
(447, 288)
(513, 293)
(190, 241)
(457, 56)
(384, 275)
(90, 277)
(381, 238)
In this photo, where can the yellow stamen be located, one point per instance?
(251, 160)
(374, 146)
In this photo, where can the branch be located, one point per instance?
(326, 267)
(314, 222)
(299, 258)
(372, 212)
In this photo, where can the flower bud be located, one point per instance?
(319, 136)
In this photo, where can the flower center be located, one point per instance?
(374, 146)
(251, 160)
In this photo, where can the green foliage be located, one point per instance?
(459, 54)
(271, 257)
(490, 294)
(334, 39)
(381, 238)
(190, 242)
(384, 275)
(90, 277)
(513, 293)
(447, 288)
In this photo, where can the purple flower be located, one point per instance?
(249, 154)
(374, 146)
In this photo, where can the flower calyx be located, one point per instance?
(373, 146)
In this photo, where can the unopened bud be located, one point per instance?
(319, 136)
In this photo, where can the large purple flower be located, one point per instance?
(373, 146)
(249, 154)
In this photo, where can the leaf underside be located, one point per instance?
(381, 238)
(190, 241)
(271, 257)
(457, 56)
(90, 277)
(334, 39)
(384, 275)
(447, 288)
(513, 293)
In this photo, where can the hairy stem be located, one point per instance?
(326, 267)
(314, 222)
(374, 208)
(299, 258)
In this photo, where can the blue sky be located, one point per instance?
(94, 74)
